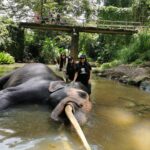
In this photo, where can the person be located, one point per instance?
(70, 69)
(36, 18)
(83, 72)
(62, 61)
(58, 19)
(52, 19)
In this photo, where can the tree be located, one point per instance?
(141, 10)
(15, 9)
(21, 9)
(5, 39)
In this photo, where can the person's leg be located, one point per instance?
(89, 88)
(60, 66)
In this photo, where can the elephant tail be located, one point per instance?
(4, 79)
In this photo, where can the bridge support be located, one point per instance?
(74, 44)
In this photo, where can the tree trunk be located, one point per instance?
(74, 44)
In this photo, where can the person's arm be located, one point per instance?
(90, 68)
(76, 72)
(89, 81)
(75, 76)
(65, 62)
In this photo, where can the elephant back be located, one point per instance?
(29, 72)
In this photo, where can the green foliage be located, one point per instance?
(5, 39)
(137, 62)
(88, 44)
(29, 37)
(109, 46)
(11, 39)
(17, 46)
(140, 10)
(118, 3)
(110, 64)
(105, 66)
(104, 47)
(45, 46)
(115, 13)
(139, 48)
(6, 58)
(63, 40)
(115, 63)
(86, 6)
(49, 51)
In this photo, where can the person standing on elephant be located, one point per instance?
(70, 69)
(83, 73)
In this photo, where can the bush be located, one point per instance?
(6, 58)
(110, 64)
(105, 66)
(49, 51)
(138, 49)
(115, 63)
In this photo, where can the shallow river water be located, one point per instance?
(120, 120)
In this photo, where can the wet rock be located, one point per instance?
(137, 76)
(145, 85)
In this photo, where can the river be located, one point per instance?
(120, 120)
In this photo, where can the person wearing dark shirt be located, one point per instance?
(62, 61)
(71, 68)
(83, 73)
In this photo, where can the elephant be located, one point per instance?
(37, 83)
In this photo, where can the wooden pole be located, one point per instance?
(68, 111)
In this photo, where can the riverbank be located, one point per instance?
(128, 74)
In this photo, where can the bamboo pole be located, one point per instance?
(68, 111)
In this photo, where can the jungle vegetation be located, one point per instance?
(45, 46)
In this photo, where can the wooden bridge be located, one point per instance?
(103, 26)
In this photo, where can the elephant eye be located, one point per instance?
(82, 94)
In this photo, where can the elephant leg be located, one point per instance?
(3, 80)
(5, 96)
(4, 104)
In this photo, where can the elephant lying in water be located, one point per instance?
(36, 83)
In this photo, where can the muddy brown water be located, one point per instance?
(120, 120)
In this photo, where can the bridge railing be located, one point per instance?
(115, 24)
(109, 24)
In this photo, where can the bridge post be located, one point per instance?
(74, 44)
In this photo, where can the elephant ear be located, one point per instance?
(55, 85)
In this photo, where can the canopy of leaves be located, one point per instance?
(115, 13)
(23, 8)
(141, 10)
(4, 33)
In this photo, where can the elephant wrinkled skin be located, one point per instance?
(37, 83)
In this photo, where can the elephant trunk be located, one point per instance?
(74, 122)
